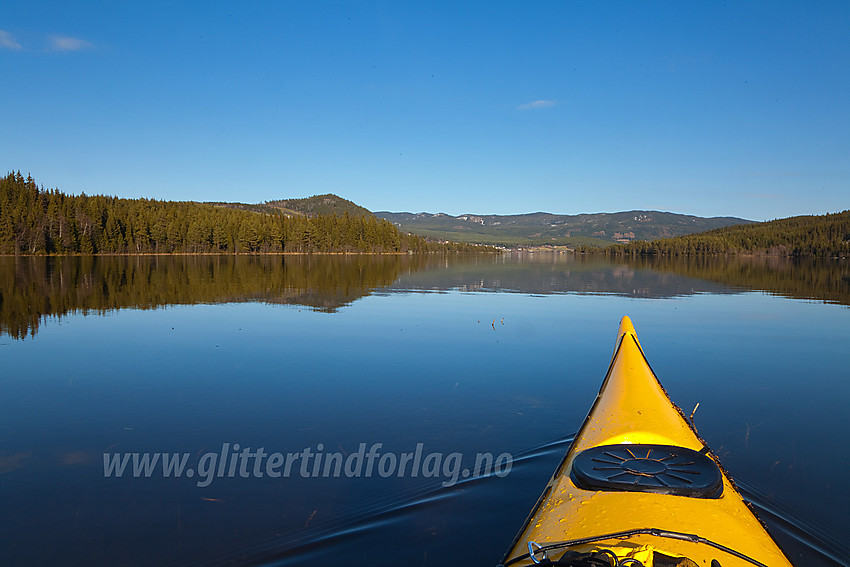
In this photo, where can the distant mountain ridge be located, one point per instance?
(541, 228)
(529, 229)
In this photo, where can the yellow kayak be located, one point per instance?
(638, 487)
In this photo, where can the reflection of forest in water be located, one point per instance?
(545, 273)
(33, 288)
(822, 279)
(648, 277)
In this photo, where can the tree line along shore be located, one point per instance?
(814, 235)
(36, 221)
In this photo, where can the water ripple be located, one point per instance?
(415, 501)
(796, 533)
(805, 540)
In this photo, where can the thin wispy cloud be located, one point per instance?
(537, 105)
(54, 43)
(65, 43)
(7, 41)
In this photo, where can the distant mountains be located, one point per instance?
(532, 229)
(628, 232)
(599, 229)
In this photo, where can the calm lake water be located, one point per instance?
(432, 362)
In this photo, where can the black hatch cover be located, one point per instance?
(662, 469)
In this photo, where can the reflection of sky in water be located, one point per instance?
(464, 372)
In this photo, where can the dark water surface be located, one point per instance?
(445, 358)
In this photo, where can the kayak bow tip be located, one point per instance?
(626, 327)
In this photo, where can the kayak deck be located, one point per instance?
(639, 474)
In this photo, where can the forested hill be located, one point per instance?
(38, 221)
(322, 205)
(327, 204)
(819, 235)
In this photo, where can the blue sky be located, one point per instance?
(703, 108)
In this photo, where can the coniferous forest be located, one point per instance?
(38, 221)
(814, 235)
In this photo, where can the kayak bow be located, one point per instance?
(638, 487)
